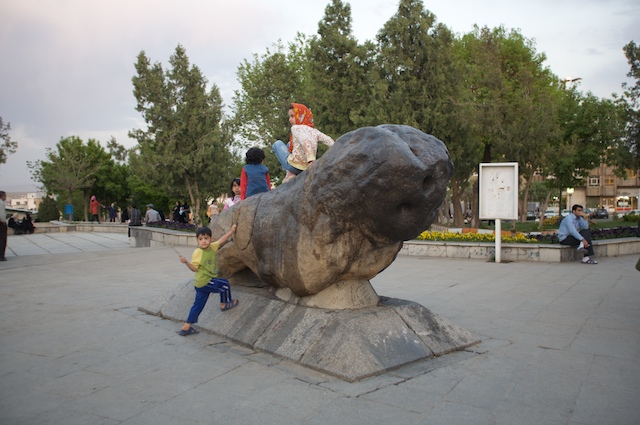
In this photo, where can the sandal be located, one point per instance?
(590, 261)
(229, 305)
(190, 331)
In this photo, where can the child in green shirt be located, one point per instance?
(204, 264)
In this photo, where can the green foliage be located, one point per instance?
(7, 146)
(78, 170)
(633, 218)
(185, 147)
(627, 150)
(590, 126)
(421, 80)
(338, 72)
(48, 210)
(515, 100)
(269, 84)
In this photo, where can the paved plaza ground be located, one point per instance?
(560, 345)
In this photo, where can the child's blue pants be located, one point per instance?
(215, 285)
(281, 152)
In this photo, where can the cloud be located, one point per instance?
(68, 64)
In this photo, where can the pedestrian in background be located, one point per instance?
(3, 226)
(95, 209)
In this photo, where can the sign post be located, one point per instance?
(498, 196)
(68, 211)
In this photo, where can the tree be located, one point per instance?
(185, 147)
(8, 146)
(338, 70)
(515, 101)
(420, 82)
(628, 149)
(78, 170)
(268, 86)
(68, 169)
(48, 210)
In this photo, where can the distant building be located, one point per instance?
(24, 200)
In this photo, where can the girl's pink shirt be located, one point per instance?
(305, 145)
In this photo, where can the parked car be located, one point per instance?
(531, 215)
(549, 214)
(565, 213)
(600, 213)
(635, 212)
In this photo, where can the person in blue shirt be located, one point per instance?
(574, 231)
(255, 175)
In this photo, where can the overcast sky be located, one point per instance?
(67, 64)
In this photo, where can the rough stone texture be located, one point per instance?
(302, 256)
(344, 219)
(349, 344)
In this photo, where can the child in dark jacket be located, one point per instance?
(255, 175)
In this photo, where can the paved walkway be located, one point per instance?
(561, 345)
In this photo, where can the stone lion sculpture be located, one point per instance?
(320, 237)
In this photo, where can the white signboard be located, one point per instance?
(499, 191)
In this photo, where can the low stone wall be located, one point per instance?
(79, 226)
(155, 237)
(142, 237)
(151, 237)
(518, 252)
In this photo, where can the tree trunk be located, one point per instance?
(475, 220)
(525, 197)
(456, 195)
(194, 196)
(84, 206)
(474, 205)
(440, 214)
(543, 208)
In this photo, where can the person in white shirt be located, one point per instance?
(151, 215)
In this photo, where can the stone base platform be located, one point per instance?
(519, 251)
(349, 344)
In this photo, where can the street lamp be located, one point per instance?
(569, 193)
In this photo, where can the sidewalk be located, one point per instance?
(561, 345)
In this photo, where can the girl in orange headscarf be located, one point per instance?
(303, 142)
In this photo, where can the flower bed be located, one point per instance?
(473, 237)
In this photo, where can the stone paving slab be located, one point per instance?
(75, 350)
(59, 243)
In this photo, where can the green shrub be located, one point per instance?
(48, 210)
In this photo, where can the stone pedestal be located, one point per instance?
(351, 344)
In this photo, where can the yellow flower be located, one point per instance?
(472, 237)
